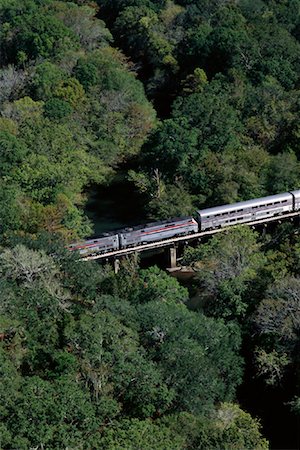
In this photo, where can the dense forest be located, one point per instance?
(199, 102)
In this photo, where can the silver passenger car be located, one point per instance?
(158, 231)
(100, 245)
(296, 196)
(250, 210)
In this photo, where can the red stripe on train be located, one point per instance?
(85, 246)
(156, 230)
(140, 233)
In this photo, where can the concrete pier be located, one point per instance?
(116, 265)
(173, 257)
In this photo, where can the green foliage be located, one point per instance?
(118, 114)
(195, 82)
(234, 428)
(24, 110)
(134, 433)
(277, 315)
(151, 39)
(171, 147)
(219, 127)
(90, 359)
(12, 152)
(43, 405)
(216, 121)
(64, 135)
(284, 173)
(296, 405)
(70, 91)
(80, 19)
(228, 427)
(142, 286)
(182, 342)
(169, 200)
(46, 78)
(57, 109)
(30, 29)
(271, 365)
(11, 214)
(225, 266)
(86, 73)
(92, 370)
(158, 285)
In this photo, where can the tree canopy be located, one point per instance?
(193, 103)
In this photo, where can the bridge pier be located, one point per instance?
(116, 265)
(173, 257)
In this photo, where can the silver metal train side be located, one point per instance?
(100, 245)
(209, 218)
(248, 211)
(150, 232)
(296, 195)
(158, 231)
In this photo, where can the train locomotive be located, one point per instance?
(139, 235)
(206, 219)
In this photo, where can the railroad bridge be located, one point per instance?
(173, 242)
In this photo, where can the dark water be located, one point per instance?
(115, 206)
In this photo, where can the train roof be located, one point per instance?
(95, 240)
(247, 204)
(296, 194)
(115, 233)
(154, 224)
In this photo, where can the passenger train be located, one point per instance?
(206, 219)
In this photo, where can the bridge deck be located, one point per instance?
(189, 237)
